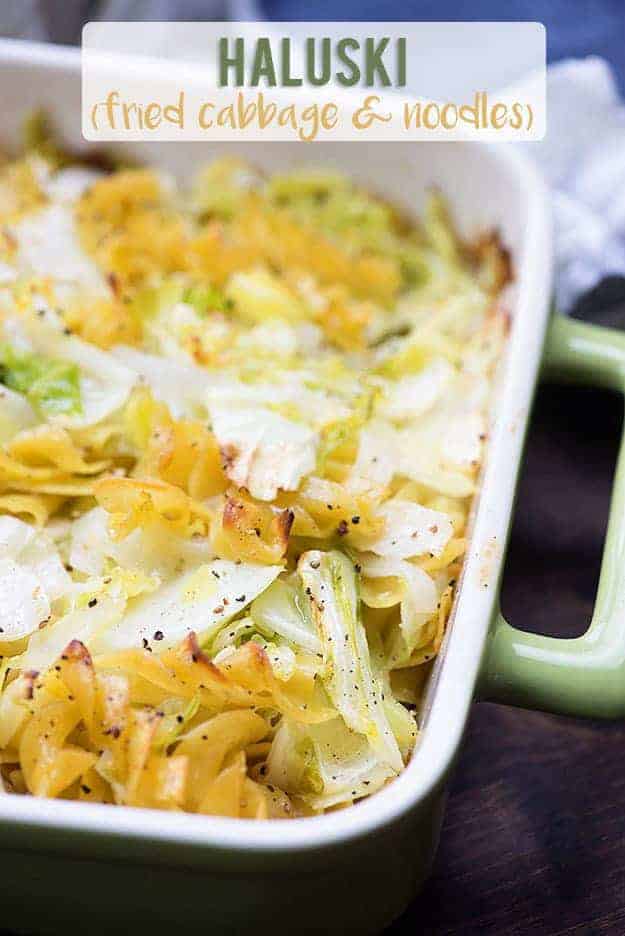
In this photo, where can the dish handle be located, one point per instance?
(585, 675)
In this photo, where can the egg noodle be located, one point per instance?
(241, 425)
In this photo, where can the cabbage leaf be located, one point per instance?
(330, 582)
(52, 386)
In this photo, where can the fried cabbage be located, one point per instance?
(241, 425)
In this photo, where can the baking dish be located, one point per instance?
(353, 870)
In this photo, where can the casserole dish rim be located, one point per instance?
(455, 680)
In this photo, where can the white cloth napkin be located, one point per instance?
(583, 160)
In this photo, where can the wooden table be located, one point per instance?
(534, 839)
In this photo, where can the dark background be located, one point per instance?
(534, 838)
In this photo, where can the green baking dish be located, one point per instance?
(68, 865)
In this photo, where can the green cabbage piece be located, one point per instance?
(16, 414)
(330, 582)
(337, 433)
(281, 611)
(175, 715)
(204, 298)
(221, 188)
(232, 634)
(281, 657)
(258, 296)
(326, 764)
(439, 230)
(39, 138)
(153, 300)
(328, 201)
(293, 763)
(51, 386)
(403, 722)
(306, 185)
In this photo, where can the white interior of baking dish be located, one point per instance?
(486, 187)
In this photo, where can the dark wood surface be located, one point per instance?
(534, 837)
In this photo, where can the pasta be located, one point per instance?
(241, 426)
